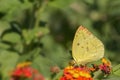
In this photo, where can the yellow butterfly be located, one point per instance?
(86, 47)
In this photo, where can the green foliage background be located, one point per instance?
(41, 31)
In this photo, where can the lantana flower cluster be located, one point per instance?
(76, 73)
(24, 71)
(84, 72)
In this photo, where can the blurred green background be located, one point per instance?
(42, 31)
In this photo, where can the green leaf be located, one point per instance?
(60, 3)
(43, 30)
(3, 26)
(35, 33)
(13, 9)
(43, 65)
(102, 4)
(4, 46)
(112, 77)
(8, 61)
(114, 8)
(28, 35)
(19, 47)
(89, 1)
(12, 37)
(116, 70)
(58, 75)
(6, 4)
(55, 52)
(30, 55)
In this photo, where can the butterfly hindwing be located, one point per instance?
(86, 47)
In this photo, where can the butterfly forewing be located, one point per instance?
(86, 47)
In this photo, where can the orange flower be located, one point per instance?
(76, 73)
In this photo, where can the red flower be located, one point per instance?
(17, 72)
(25, 71)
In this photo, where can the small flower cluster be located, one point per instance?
(84, 72)
(25, 71)
(105, 67)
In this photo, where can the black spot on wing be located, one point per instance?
(78, 44)
(82, 47)
(87, 48)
